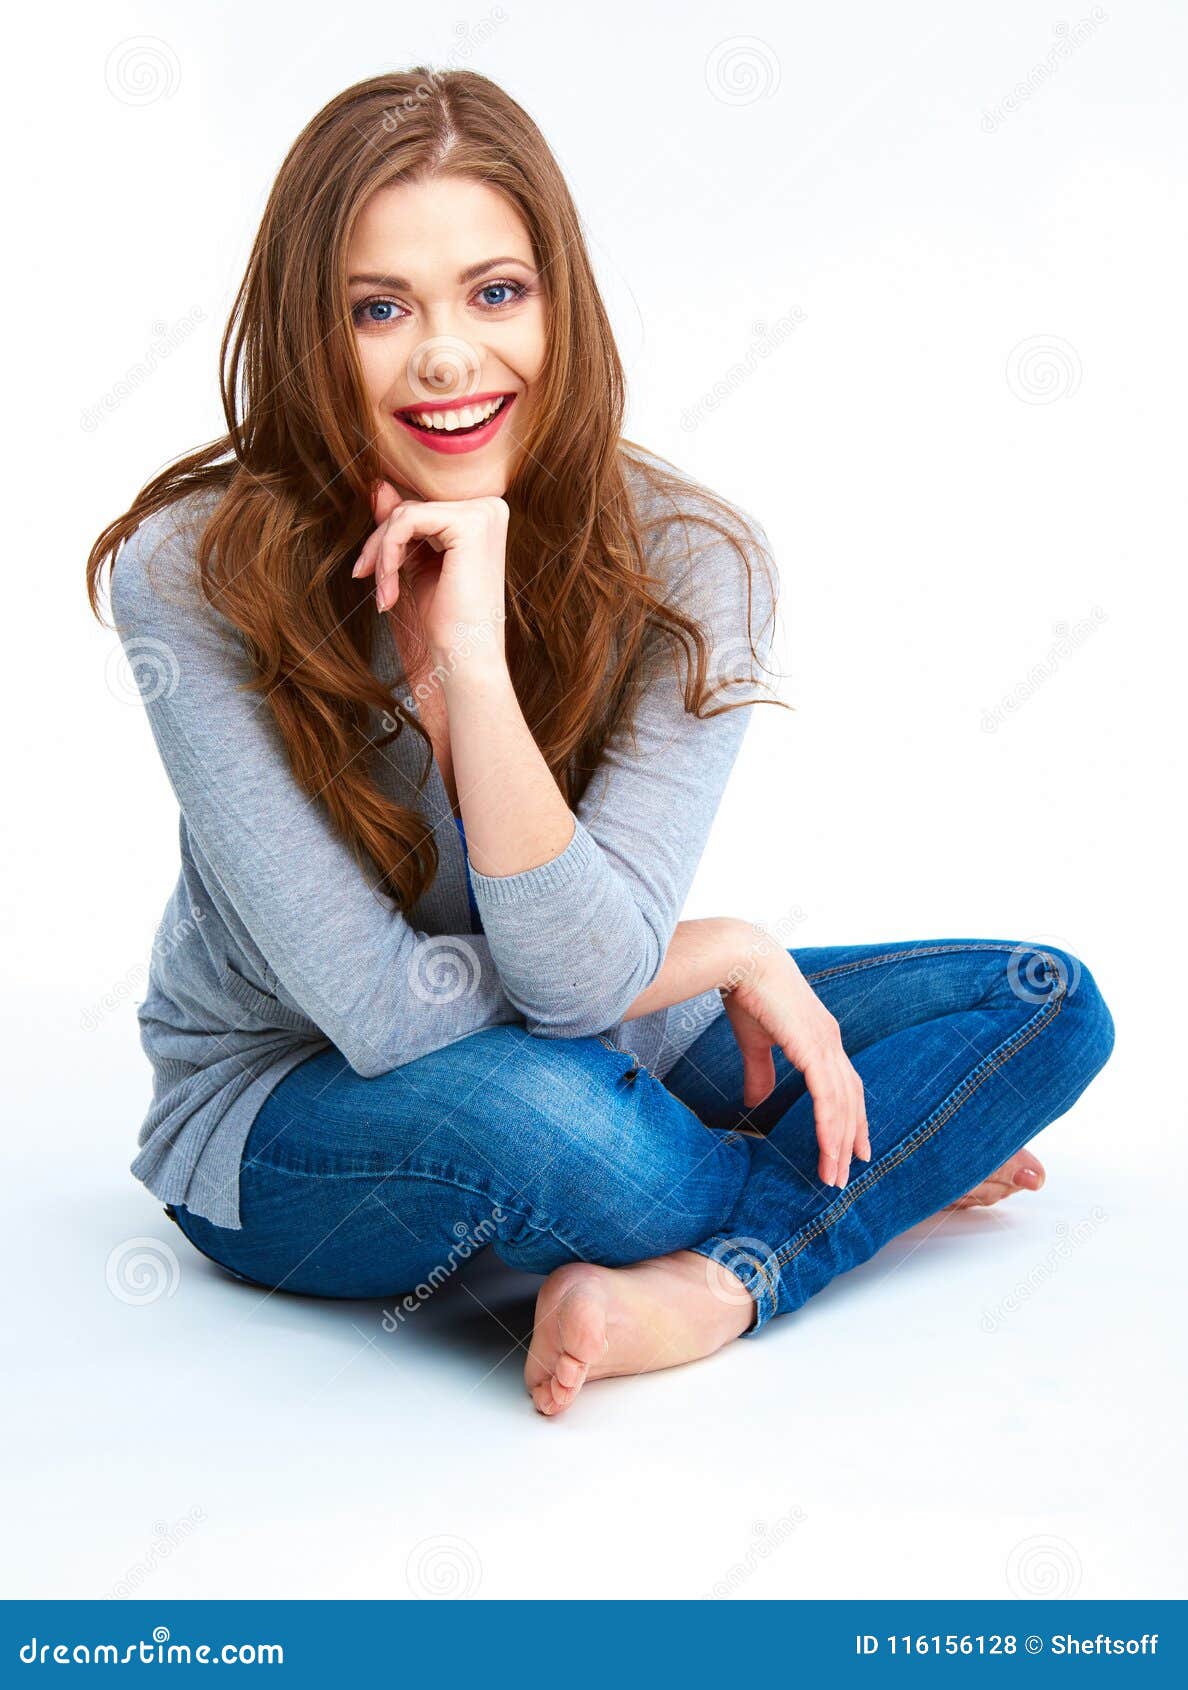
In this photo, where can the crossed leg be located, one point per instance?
(965, 1005)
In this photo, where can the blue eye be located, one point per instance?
(378, 313)
(516, 289)
(369, 311)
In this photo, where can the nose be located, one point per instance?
(445, 365)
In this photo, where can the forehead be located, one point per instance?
(432, 231)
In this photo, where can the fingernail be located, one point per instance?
(841, 1182)
(358, 566)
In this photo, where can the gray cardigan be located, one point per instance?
(274, 945)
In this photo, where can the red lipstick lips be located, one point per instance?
(458, 439)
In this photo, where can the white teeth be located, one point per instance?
(448, 421)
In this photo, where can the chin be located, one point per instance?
(469, 482)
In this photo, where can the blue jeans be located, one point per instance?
(561, 1150)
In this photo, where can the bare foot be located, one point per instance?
(1023, 1172)
(595, 1322)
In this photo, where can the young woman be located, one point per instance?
(448, 678)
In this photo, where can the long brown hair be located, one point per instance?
(298, 461)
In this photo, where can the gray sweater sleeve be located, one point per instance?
(567, 945)
(578, 938)
(345, 956)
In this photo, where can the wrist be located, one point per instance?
(749, 949)
(731, 949)
(468, 643)
(467, 668)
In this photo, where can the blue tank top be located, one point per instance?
(476, 920)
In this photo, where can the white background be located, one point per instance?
(969, 456)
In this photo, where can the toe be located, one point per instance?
(563, 1396)
(542, 1397)
(581, 1323)
(569, 1372)
(550, 1398)
(1029, 1174)
(569, 1336)
(1023, 1172)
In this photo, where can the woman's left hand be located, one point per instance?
(755, 1046)
(451, 555)
(770, 1003)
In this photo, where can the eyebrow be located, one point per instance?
(401, 284)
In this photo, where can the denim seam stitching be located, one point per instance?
(773, 1285)
(900, 956)
(946, 1110)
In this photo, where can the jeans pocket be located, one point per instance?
(634, 1066)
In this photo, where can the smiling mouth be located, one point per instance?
(466, 419)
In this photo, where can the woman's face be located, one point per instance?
(449, 317)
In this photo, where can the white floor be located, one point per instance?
(991, 1407)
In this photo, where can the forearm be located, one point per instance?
(708, 952)
(512, 809)
(517, 820)
(570, 943)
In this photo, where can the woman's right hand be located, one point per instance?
(769, 1002)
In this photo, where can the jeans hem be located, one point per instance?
(753, 1264)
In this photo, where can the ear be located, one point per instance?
(384, 499)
